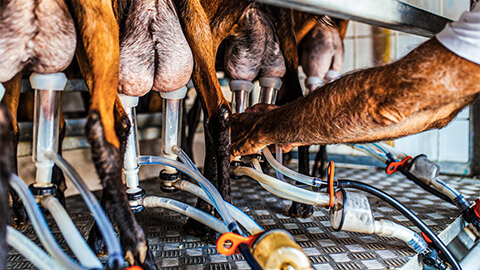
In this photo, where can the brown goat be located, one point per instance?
(98, 55)
(421, 91)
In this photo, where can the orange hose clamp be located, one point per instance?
(227, 243)
(134, 267)
(393, 166)
(330, 187)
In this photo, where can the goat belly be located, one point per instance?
(154, 53)
(37, 34)
(253, 49)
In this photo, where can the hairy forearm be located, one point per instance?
(424, 90)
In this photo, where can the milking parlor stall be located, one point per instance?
(216, 134)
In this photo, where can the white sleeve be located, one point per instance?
(463, 36)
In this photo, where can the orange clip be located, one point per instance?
(425, 237)
(331, 178)
(134, 267)
(233, 240)
(476, 207)
(393, 166)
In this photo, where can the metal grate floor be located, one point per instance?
(327, 249)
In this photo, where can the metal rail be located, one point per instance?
(390, 14)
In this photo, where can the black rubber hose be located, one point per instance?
(406, 212)
(426, 187)
(247, 254)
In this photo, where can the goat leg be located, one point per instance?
(300, 209)
(58, 179)
(421, 91)
(320, 164)
(192, 226)
(284, 26)
(5, 159)
(11, 101)
(98, 54)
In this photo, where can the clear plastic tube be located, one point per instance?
(242, 218)
(130, 164)
(392, 150)
(170, 128)
(2, 91)
(185, 209)
(45, 133)
(247, 222)
(284, 190)
(268, 95)
(209, 189)
(312, 181)
(391, 229)
(256, 165)
(31, 251)
(70, 233)
(101, 219)
(279, 158)
(452, 193)
(367, 149)
(40, 225)
(239, 101)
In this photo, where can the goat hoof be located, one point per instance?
(20, 217)
(140, 255)
(300, 210)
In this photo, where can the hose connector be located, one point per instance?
(276, 249)
(2, 91)
(331, 76)
(241, 90)
(351, 212)
(167, 180)
(135, 199)
(312, 83)
(52, 81)
(269, 89)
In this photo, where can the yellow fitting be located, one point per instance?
(276, 249)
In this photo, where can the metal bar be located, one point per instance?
(389, 14)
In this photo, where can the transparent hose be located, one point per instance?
(30, 251)
(242, 218)
(369, 150)
(312, 181)
(209, 189)
(187, 210)
(391, 229)
(40, 225)
(279, 158)
(283, 189)
(71, 235)
(101, 219)
(452, 193)
(275, 191)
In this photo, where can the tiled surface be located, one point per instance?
(327, 249)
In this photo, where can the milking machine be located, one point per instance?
(420, 170)
(424, 173)
(314, 82)
(349, 211)
(251, 244)
(42, 192)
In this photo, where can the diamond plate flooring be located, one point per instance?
(327, 249)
